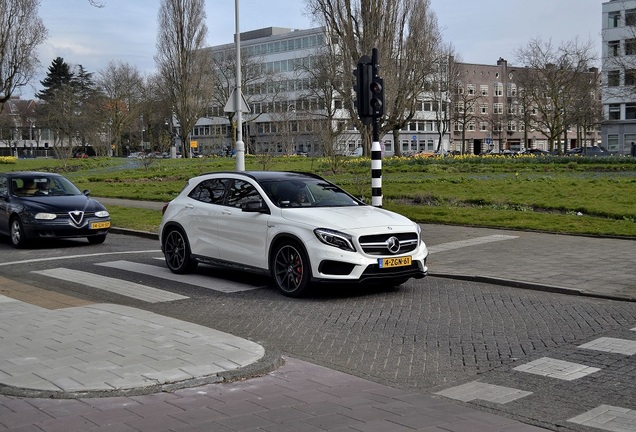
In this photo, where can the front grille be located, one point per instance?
(378, 244)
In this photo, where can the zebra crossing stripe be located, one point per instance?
(202, 281)
(470, 242)
(117, 286)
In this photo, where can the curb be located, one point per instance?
(271, 360)
(531, 286)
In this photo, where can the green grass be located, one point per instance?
(592, 196)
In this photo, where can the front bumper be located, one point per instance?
(66, 229)
(330, 265)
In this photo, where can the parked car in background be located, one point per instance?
(588, 151)
(40, 205)
(296, 227)
(536, 152)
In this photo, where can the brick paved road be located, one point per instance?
(434, 334)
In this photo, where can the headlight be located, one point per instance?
(45, 216)
(102, 213)
(335, 238)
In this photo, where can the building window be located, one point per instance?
(497, 108)
(614, 112)
(630, 111)
(612, 142)
(512, 90)
(471, 89)
(512, 126)
(483, 126)
(613, 78)
(630, 17)
(613, 19)
(630, 46)
(630, 77)
(498, 89)
(483, 89)
(614, 48)
(459, 107)
(484, 109)
(471, 126)
(459, 127)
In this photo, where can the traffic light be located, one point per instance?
(369, 90)
(376, 89)
(364, 78)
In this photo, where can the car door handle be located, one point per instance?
(226, 212)
(189, 206)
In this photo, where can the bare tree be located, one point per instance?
(121, 85)
(223, 81)
(551, 78)
(181, 62)
(445, 77)
(406, 35)
(21, 31)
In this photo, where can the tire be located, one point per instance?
(16, 233)
(97, 239)
(176, 250)
(291, 269)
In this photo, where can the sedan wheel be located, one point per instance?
(291, 270)
(18, 238)
(177, 252)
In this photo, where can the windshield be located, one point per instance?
(307, 193)
(43, 185)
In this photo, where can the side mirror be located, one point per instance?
(86, 192)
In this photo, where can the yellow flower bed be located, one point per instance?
(8, 159)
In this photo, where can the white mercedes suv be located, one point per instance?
(296, 227)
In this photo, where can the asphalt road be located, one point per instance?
(429, 335)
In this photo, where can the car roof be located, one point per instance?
(13, 174)
(260, 176)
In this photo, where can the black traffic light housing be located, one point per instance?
(369, 89)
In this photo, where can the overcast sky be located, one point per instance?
(126, 30)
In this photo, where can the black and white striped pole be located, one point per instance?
(370, 103)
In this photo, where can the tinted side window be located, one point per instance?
(210, 191)
(241, 192)
(4, 187)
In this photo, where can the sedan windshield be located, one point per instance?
(307, 192)
(44, 185)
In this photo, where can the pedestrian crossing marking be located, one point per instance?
(202, 281)
(117, 286)
(470, 242)
(612, 345)
(482, 391)
(607, 417)
(558, 369)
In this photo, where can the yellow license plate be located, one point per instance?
(394, 262)
(100, 225)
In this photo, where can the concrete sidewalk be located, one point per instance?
(594, 266)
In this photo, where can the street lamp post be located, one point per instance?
(240, 145)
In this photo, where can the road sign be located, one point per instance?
(230, 106)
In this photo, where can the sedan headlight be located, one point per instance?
(102, 213)
(335, 238)
(45, 216)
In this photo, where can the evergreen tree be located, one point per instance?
(59, 74)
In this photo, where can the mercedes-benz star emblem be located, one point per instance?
(393, 245)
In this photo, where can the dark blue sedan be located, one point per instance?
(40, 205)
